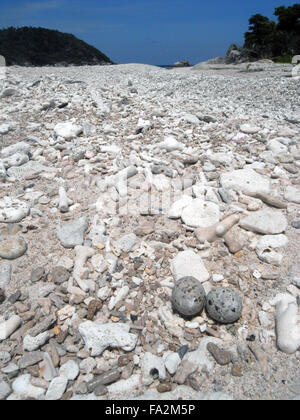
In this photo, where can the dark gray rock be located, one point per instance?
(222, 357)
(188, 296)
(224, 305)
(59, 275)
(30, 359)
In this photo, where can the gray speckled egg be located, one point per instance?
(188, 296)
(224, 305)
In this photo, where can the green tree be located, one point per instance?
(261, 36)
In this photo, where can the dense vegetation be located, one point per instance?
(40, 46)
(269, 39)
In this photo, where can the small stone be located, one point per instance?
(59, 275)
(5, 390)
(164, 387)
(38, 274)
(56, 388)
(106, 378)
(30, 359)
(12, 247)
(71, 233)
(93, 307)
(188, 296)
(296, 224)
(100, 390)
(224, 305)
(237, 370)
(222, 357)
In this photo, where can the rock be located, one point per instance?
(287, 322)
(23, 389)
(246, 180)
(9, 326)
(16, 159)
(295, 224)
(172, 362)
(170, 144)
(265, 248)
(200, 213)
(33, 343)
(5, 273)
(249, 129)
(222, 357)
(224, 305)
(188, 296)
(12, 247)
(72, 233)
(93, 307)
(56, 388)
(30, 359)
(266, 221)
(188, 264)
(98, 337)
(126, 242)
(69, 370)
(59, 275)
(20, 147)
(106, 378)
(276, 147)
(176, 209)
(67, 130)
(152, 367)
(292, 195)
(12, 210)
(5, 390)
(38, 274)
(201, 357)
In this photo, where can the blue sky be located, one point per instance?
(145, 31)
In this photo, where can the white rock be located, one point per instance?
(200, 213)
(246, 180)
(98, 337)
(249, 129)
(67, 130)
(266, 221)
(276, 147)
(56, 388)
(5, 273)
(292, 195)
(23, 389)
(12, 210)
(33, 343)
(20, 147)
(152, 366)
(266, 245)
(170, 144)
(172, 362)
(9, 326)
(120, 295)
(177, 207)
(172, 323)
(188, 263)
(287, 320)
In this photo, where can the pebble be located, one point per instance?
(189, 264)
(221, 356)
(71, 233)
(224, 305)
(188, 296)
(12, 247)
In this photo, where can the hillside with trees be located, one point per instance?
(269, 39)
(28, 46)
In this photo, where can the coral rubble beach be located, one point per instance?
(115, 182)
